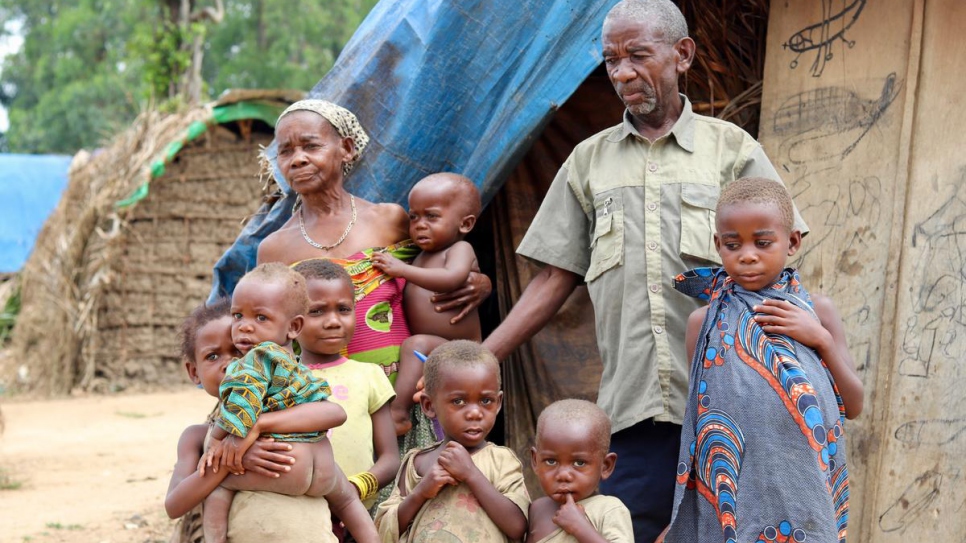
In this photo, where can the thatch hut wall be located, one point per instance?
(164, 257)
(130, 248)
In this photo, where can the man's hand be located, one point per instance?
(571, 516)
(467, 298)
(267, 457)
(786, 318)
(457, 462)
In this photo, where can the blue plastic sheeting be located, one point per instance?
(453, 85)
(30, 187)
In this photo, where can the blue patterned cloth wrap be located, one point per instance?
(762, 444)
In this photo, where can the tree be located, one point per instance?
(88, 66)
(70, 84)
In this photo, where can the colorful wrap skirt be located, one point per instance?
(762, 445)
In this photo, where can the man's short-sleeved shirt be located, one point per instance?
(629, 215)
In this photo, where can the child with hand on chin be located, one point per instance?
(763, 454)
(443, 208)
(463, 488)
(275, 504)
(571, 456)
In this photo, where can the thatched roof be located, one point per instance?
(70, 268)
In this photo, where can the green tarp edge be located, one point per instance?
(267, 112)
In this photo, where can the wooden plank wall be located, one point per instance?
(861, 113)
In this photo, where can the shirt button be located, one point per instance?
(658, 330)
(652, 167)
(651, 206)
(655, 288)
(652, 245)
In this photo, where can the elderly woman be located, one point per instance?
(318, 144)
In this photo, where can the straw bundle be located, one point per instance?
(106, 288)
(725, 79)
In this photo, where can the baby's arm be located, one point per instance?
(303, 418)
(501, 510)
(460, 259)
(826, 336)
(187, 488)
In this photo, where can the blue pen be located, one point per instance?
(420, 356)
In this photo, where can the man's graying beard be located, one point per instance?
(647, 106)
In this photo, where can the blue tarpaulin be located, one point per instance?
(30, 187)
(445, 85)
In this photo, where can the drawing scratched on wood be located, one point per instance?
(821, 36)
(931, 431)
(828, 123)
(937, 325)
(913, 502)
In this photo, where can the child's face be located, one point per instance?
(435, 216)
(331, 320)
(466, 403)
(214, 349)
(259, 313)
(753, 243)
(567, 460)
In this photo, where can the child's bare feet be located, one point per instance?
(400, 419)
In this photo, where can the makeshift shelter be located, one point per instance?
(30, 187)
(129, 250)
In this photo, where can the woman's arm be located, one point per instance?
(187, 488)
(465, 298)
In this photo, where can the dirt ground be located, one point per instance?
(92, 469)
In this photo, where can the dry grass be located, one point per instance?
(725, 80)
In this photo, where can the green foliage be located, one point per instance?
(8, 314)
(88, 66)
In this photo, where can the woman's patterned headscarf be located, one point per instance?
(343, 120)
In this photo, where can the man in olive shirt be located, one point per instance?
(632, 207)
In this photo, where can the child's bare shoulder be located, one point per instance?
(697, 316)
(825, 308)
(192, 440)
(462, 249)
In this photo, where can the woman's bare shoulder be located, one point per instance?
(276, 246)
(390, 217)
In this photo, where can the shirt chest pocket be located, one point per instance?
(698, 203)
(607, 243)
